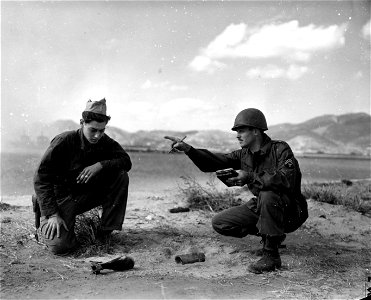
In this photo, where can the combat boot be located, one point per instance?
(270, 261)
(259, 252)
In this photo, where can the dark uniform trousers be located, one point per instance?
(269, 214)
(110, 191)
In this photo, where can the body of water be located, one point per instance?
(160, 171)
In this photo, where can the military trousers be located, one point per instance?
(269, 214)
(110, 192)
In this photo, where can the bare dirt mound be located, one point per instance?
(325, 259)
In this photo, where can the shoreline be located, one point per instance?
(140, 149)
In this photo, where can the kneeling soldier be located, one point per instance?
(271, 172)
(81, 170)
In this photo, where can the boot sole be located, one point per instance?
(264, 271)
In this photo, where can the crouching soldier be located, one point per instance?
(81, 170)
(271, 172)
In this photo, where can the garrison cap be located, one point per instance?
(98, 107)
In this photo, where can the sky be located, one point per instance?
(183, 65)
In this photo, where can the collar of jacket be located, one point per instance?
(84, 144)
(265, 147)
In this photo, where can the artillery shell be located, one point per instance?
(190, 258)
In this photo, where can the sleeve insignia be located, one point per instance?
(289, 163)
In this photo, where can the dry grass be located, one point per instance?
(6, 206)
(356, 195)
(86, 227)
(208, 197)
(86, 230)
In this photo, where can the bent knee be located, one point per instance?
(60, 249)
(60, 246)
(216, 221)
(269, 197)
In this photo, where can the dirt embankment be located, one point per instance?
(325, 259)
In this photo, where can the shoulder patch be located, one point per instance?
(289, 163)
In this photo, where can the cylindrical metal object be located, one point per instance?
(120, 265)
(190, 258)
(117, 264)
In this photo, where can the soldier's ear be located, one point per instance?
(81, 122)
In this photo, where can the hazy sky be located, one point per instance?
(183, 65)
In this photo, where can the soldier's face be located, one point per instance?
(93, 131)
(246, 136)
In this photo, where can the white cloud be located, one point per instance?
(270, 72)
(230, 38)
(293, 72)
(286, 40)
(205, 63)
(366, 30)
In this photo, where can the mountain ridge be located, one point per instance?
(332, 134)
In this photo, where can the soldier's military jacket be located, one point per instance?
(274, 168)
(68, 154)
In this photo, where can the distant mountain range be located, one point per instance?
(344, 134)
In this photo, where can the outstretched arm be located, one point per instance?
(178, 144)
(205, 160)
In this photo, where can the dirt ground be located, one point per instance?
(327, 258)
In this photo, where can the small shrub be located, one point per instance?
(86, 227)
(208, 197)
(356, 195)
(5, 206)
(86, 230)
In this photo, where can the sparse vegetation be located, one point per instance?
(86, 230)
(5, 206)
(356, 195)
(208, 197)
(86, 227)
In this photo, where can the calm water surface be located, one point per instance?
(155, 172)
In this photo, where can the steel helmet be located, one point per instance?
(251, 117)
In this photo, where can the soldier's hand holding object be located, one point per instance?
(178, 144)
(89, 172)
(243, 178)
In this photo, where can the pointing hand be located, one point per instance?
(178, 144)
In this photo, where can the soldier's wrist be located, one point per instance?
(187, 148)
(53, 215)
